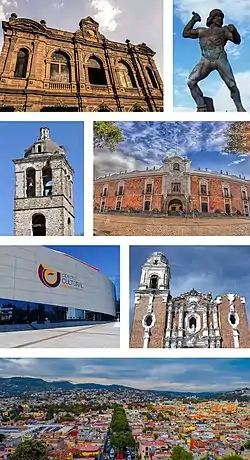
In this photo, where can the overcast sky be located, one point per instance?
(187, 53)
(138, 20)
(159, 374)
(216, 269)
(148, 143)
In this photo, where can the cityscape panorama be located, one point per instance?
(128, 408)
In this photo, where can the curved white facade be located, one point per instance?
(42, 275)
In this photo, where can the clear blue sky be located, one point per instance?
(146, 144)
(216, 269)
(105, 258)
(16, 137)
(187, 54)
(194, 375)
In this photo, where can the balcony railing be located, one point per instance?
(59, 86)
(206, 193)
(146, 192)
(227, 195)
(118, 193)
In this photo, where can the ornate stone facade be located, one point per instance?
(172, 188)
(43, 202)
(191, 320)
(44, 69)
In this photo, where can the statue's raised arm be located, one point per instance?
(232, 34)
(189, 31)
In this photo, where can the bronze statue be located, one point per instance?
(212, 39)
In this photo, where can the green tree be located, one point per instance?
(236, 138)
(150, 407)
(179, 453)
(50, 414)
(107, 134)
(233, 457)
(247, 444)
(31, 449)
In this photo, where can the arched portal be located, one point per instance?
(38, 225)
(174, 206)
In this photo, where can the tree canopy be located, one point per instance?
(236, 138)
(107, 134)
(179, 453)
(121, 433)
(31, 449)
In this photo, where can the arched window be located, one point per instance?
(152, 77)
(38, 225)
(7, 108)
(60, 67)
(96, 72)
(153, 282)
(127, 78)
(47, 181)
(103, 108)
(21, 63)
(192, 323)
(137, 108)
(30, 182)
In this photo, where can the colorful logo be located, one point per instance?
(49, 277)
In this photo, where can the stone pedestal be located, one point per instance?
(208, 107)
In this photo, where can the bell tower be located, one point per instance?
(233, 321)
(151, 297)
(43, 201)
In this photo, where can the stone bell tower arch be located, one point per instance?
(149, 320)
(43, 201)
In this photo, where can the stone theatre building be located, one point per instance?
(172, 188)
(191, 320)
(45, 69)
(43, 200)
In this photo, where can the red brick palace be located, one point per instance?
(172, 188)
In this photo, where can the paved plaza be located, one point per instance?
(94, 336)
(119, 225)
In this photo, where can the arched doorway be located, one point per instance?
(38, 225)
(174, 206)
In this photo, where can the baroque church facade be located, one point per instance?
(45, 69)
(191, 320)
(43, 199)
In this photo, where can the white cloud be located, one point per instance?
(236, 162)
(3, 15)
(106, 14)
(108, 163)
(58, 5)
(238, 11)
(222, 99)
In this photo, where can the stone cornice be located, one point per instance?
(159, 172)
(35, 28)
(42, 158)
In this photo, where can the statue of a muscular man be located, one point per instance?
(213, 39)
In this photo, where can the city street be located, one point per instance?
(96, 336)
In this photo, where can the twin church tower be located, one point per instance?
(43, 201)
(191, 320)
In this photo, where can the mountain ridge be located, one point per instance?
(17, 385)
